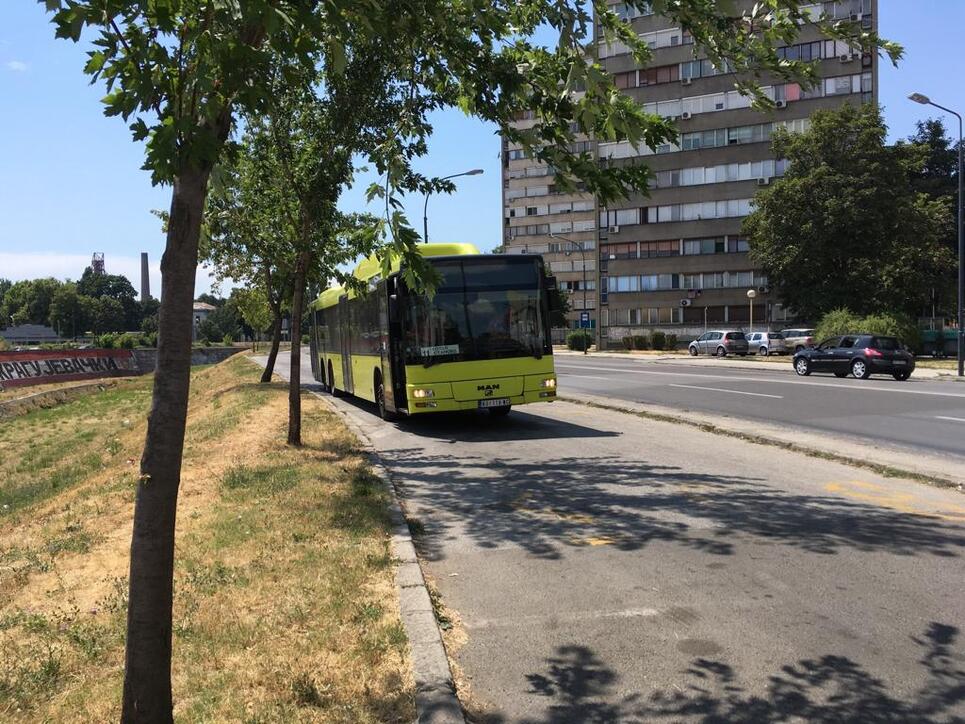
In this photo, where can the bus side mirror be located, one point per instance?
(393, 307)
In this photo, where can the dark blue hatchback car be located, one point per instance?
(861, 355)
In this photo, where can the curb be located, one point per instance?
(928, 469)
(435, 695)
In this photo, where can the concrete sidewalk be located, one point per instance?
(740, 363)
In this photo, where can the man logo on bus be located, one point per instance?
(488, 389)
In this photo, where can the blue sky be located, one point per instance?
(71, 184)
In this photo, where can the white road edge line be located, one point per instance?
(856, 386)
(733, 392)
(953, 419)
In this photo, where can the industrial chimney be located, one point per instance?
(145, 278)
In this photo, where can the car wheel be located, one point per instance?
(500, 411)
(840, 374)
(802, 366)
(721, 352)
(901, 375)
(860, 369)
(762, 351)
(693, 351)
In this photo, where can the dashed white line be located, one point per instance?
(733, 392)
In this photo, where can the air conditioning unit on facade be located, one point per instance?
(686, 115)
(856, 17)
(685, 302)
(614, 229)
(763, 181)
(846, 57)
(780, 104)
(686, 81)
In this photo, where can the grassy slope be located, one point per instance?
(285, 607)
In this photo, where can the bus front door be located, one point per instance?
(345, 332)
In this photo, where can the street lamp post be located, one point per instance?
(425, 208)
(926, 101)
(582, 251)
(750, 296)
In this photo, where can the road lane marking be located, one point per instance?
(733, 392)
(589, 377)
(952, 419)
(855, 386)
(886, 497)
(557, 618)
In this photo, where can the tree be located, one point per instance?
(181, 72)
(28, 301)
(114, 286)
(254, 309)
(108, 315)
(5, 285)
(845, 227)
(223, 321)
(70, 311)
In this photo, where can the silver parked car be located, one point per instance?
(766, 343)
(798, 339)
(721, 343)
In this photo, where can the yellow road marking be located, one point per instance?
(903, 502)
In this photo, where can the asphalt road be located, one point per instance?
(915, 415)
(609, 568)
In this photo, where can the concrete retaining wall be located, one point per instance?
(147, 358)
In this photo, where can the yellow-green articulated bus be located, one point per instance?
(481, 342)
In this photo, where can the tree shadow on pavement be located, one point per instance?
(832, 689)
(627, 504)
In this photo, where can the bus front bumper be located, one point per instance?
(450, 405)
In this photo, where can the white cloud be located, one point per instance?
(31, 265)
(16, 66)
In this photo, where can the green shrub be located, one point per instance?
(579, 340)
(150, 339)
(108, 341)
(659, 340)
(628, 342)
(671, 341)
(128, 340)
(304, 339)
(4, 345)
(227, 340)
(641, 341)
(892, 324)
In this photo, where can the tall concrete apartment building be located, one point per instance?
(675, 260)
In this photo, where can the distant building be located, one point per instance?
(676, 259)
(27, 334)
(201, 312)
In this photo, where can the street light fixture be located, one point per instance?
(750, 296)
(926, 101)
(425, 208)
(582, 251)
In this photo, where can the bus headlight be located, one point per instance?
(549, 384)
(420, 393)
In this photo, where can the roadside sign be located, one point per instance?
(584, 320)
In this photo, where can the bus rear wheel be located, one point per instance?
(331, 382)
(500, 411)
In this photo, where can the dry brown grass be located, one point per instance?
(285, 608)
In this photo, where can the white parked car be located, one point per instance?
(766, 343)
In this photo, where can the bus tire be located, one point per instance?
(331, 382)
(500, 411)
(379, 389)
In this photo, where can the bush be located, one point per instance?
(641, 341)
(628, 342)
(892, 324)
(128, 340)
(227, 340)
(579, 340)
(107, 341)
(150, 339)
(304, 339)
(671, 341)
(659, 340)
(4, 345)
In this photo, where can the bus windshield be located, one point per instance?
(484, 308)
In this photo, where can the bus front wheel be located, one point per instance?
(500, 411)
(380, 399)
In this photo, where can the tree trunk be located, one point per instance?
(295, 371)
(275, 341)
(147, 672)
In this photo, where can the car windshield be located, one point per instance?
(776, 335)
(484, 308)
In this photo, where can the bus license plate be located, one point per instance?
(495, 402)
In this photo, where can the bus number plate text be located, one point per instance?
(494, 402)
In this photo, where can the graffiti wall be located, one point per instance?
(43, 366)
